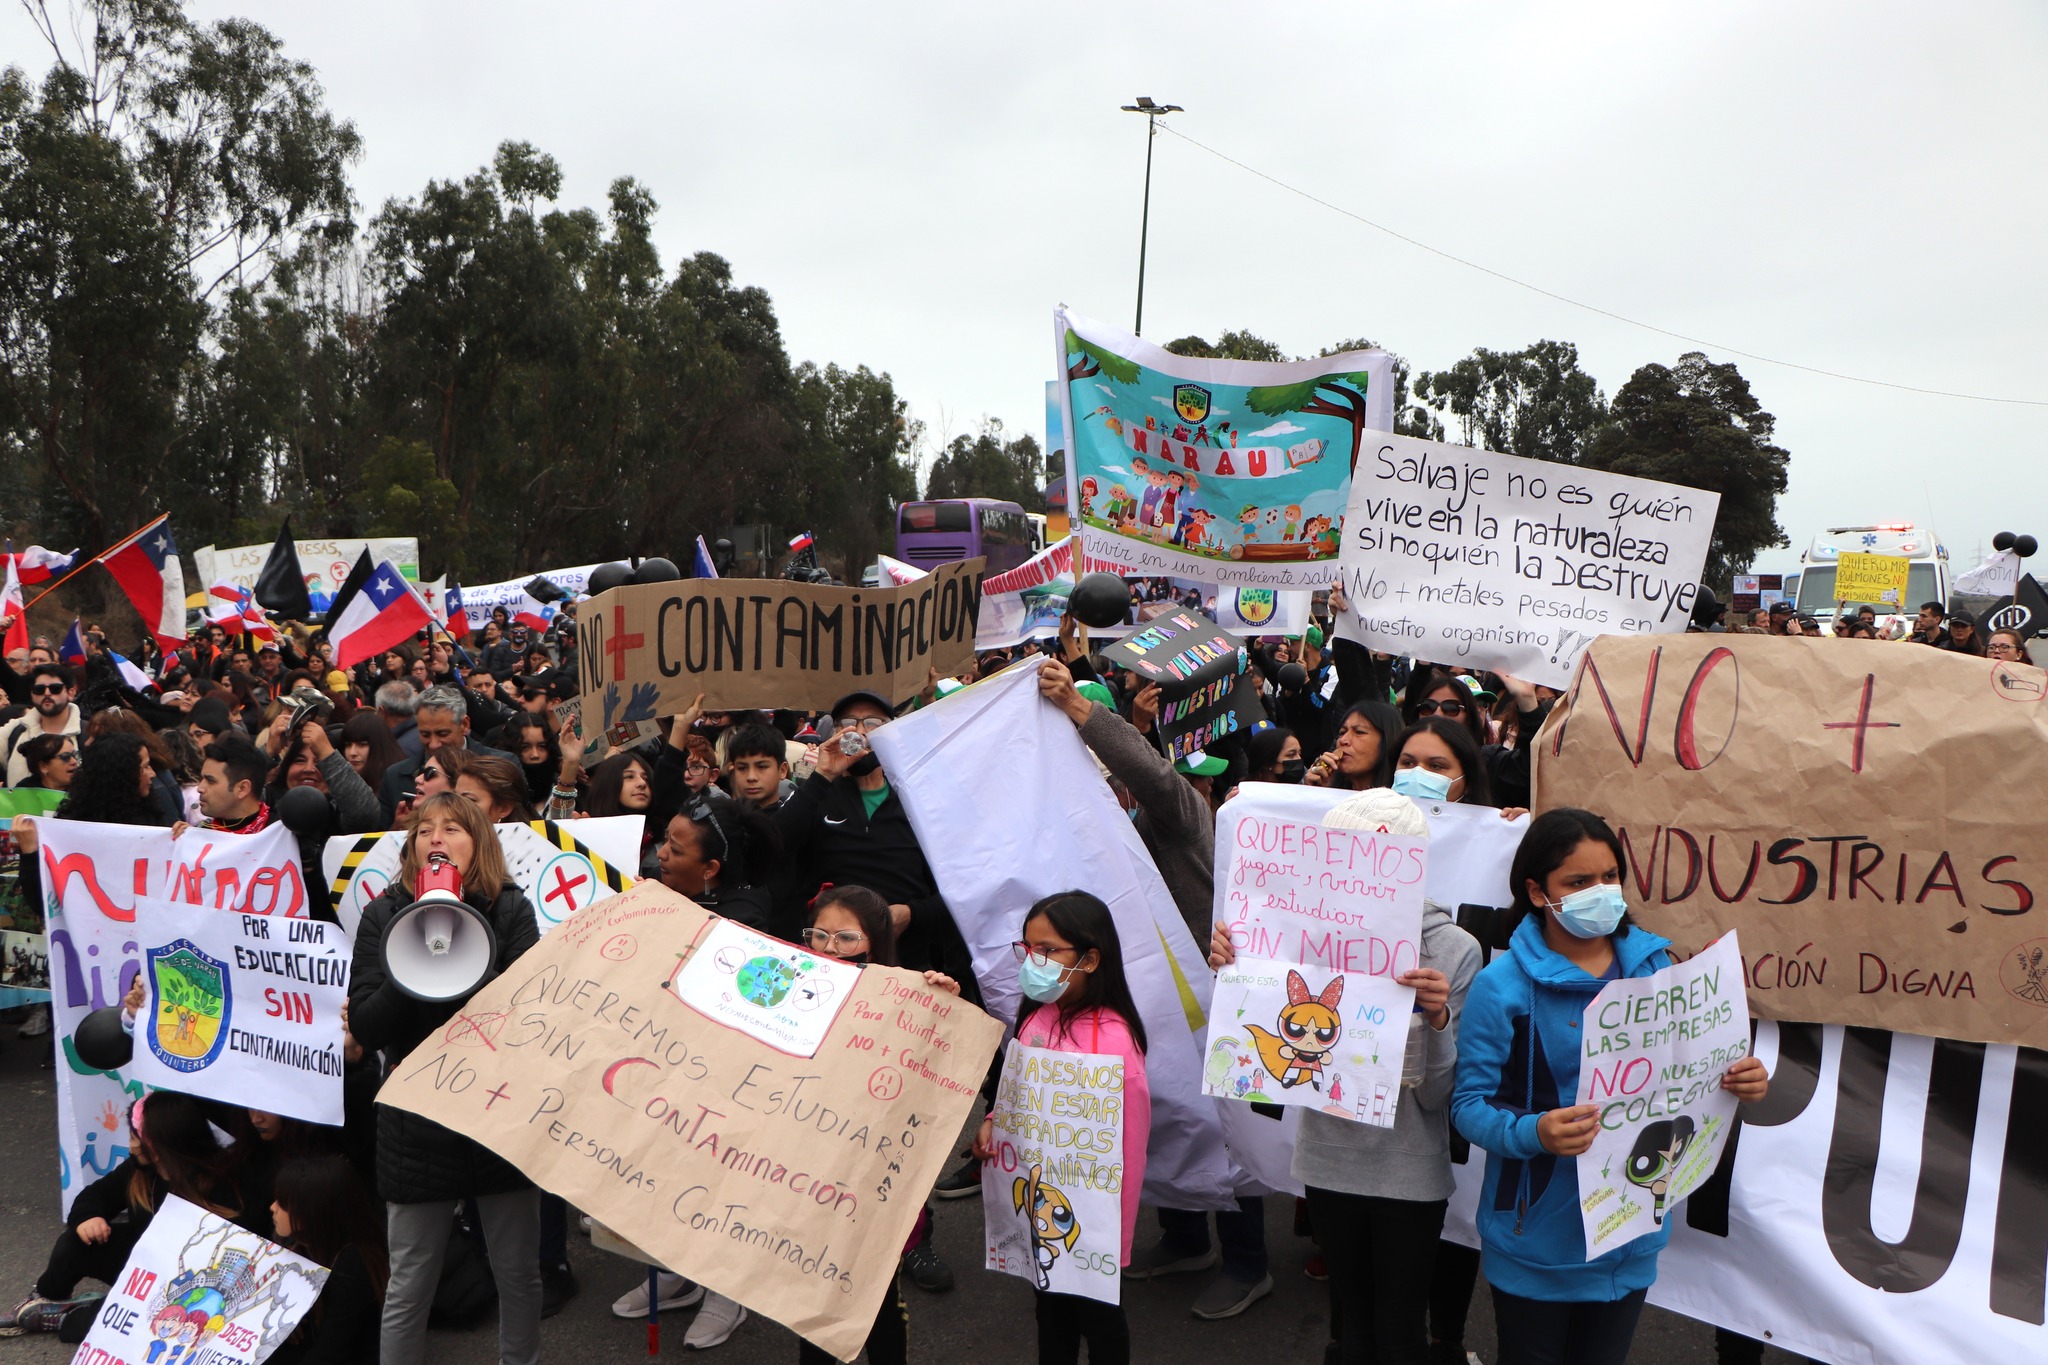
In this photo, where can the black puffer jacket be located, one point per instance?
(419, 1160)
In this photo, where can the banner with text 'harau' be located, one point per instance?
(1867, 814)
(1492, 561)
(1225, 471)
(648, 649)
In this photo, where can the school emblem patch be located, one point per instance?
(190, 1023)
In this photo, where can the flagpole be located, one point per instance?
(96, 558)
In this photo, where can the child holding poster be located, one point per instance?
(1377, 1196)
(1519, 1049)
(1070, 962)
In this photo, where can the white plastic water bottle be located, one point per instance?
(1412, 1060)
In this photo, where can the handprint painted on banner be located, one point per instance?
(611, 704)
(644, 699)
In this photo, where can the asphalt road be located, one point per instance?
(986, 1319)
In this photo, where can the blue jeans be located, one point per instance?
(1241, 1230)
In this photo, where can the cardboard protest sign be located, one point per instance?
(93, 876)
(648, 649)
(205, 1288)
(560, 867)
(987, 843)
(1227, 471)
(1879, 580)
(1806, 792)
(1498, 562)
(1052, 1199)
(241, 1008)
(788, 1184)
(1655, 1049)
(1205, 691)
(1323, 919)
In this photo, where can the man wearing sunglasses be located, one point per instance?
(51, 713)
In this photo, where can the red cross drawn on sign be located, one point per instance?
(620, 641)
(1862, 724)
(565, 888)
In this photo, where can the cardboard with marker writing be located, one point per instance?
(1853, 807)
(648, 649)
(673, 1100)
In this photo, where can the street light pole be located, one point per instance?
(1152, 113)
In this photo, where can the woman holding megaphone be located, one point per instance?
(450, 922)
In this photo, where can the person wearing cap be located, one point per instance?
(1201, 771)
(845, 826)
(207, 721)
(1963, 636)
(1781, 616)
(1169, 805)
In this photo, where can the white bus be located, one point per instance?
(1927, 577)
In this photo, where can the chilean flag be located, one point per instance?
(71, 649)
(386, 612)
(13, 605)
(37, 565)
(800, 541)
(146, 567)
(458, 619)
(236, 611)
(531, 612)
(131, 675)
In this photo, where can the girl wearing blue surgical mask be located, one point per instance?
(1437, 762)
(1519, 1042)
(1070, 965)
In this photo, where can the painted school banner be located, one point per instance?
(1052, 1199)
(1884, 1205)
(208, 1290)
(1854, 808)
(560, 867)
(1050, 825)
(93, 876)
(649, 649)
(1323, 919)
(1227, 471)
(244, 1009)
(1493, 561)
(788, 1183)
(1655, 1049)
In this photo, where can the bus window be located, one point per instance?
(935, 516)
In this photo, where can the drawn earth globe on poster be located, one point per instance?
(191, 1021)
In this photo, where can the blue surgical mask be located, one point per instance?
(1420, 784)
(1043, 984)
(1592, 913)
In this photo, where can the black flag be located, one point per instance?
(281, 586)
(350, 586)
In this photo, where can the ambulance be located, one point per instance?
(1927, 574)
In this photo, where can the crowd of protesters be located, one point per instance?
(788, 823)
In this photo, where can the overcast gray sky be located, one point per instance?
(1856, 187)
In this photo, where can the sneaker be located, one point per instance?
(927, 1271)
(1317, 1268)
(961, 1181)
(38, 1314)
(37, 1024)
(1159, 1260)
(558, 1286)
(675, 1291)
(718, 1319)
(74, 1325)
(1226, 1298)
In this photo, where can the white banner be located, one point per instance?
(1888, 1206)
(209, 1290)
(243, 1009)
(325, 563)
(1323, 920)
(1052, 1199)
(561, 868)
(1470, 557)
(784, 996)
(93, 876)
(1051, 825)
(478, 601)
(1655, 1048)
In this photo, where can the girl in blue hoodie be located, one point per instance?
(1518, 1073)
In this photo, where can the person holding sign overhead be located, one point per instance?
(1519, 1048)
(423, 1169)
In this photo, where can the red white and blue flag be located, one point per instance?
(71, 649)
(146, 566)
(800, 541)
(531, 612)
(704, 567)
(130, 674)
(37, 565)
(15, 608)
(234, 609)
(458, 619)
(385, 613)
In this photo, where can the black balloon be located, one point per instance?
(1100, 600)
(2024, 546)
(303, 810)
(605, 577)
(656, 570)
(1293, 677)
(2003, 540)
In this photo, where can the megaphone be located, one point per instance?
(439, 948)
